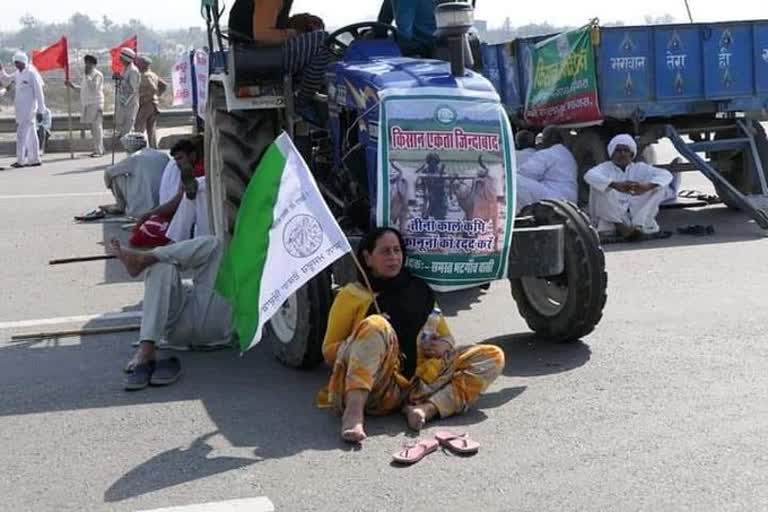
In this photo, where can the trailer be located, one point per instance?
(704, 86)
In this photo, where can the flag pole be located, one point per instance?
(115, 80)
(367, 282)
(69, 121)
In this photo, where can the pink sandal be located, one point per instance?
(461, 444)
(414, 451)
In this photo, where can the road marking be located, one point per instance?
(260, 504)
(69, 319)
(54, 196)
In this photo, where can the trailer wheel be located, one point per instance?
(568, 306)
(235, 142)
(588, 150)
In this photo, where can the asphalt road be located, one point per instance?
(662, 408)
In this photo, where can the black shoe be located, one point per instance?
(140, 376)
(37, 164)
(17, 165)
(167, 371)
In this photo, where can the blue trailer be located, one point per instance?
(706, 81)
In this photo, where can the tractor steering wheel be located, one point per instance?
(358, 31)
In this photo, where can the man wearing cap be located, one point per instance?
(127, 94)
(625, 195)
(30, 106)
(92, 102)
(150, 90)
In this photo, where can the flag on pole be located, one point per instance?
(284, 236)
(55, 56)
(117, 64)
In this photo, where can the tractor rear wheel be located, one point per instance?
(235, 142)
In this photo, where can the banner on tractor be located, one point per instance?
(446, 181)
(563, 86)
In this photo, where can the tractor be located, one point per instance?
(552, 256)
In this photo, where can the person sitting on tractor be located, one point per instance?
(550, 173)
(391, 361)
(625, 195)
(302, 37)
(415, 20)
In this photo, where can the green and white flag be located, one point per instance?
(284, 236)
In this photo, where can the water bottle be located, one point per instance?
(430, 328)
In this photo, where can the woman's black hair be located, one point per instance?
(368, 244)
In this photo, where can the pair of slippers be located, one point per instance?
(460, 444)
(153, 373)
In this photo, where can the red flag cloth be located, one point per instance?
(55, 56)
(117, 64)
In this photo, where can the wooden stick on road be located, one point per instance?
(82, 258)
(75, 332)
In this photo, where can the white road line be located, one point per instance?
(69, 319)
(260, 504)
(54, 196)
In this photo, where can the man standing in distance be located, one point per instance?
(92, 101)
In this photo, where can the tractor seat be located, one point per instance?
(255, 64)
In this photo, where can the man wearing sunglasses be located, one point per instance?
(625, 195)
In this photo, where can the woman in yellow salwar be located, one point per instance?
(387, 362)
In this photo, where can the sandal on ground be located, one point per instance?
(139, 377)
(95, 214)
(460, 444)
(167, 371)
(697, 230)
(17, 165)
(415, 451)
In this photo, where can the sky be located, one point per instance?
(185, 13)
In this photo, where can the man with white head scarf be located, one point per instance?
(127, 93)
(549, 173)
(625, 195)
(30, 106)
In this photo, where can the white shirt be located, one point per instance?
(92, 89)
(554, 167)
(523, 155)
(601, 176)
(30, 99)
(170, 183)
(129, 86)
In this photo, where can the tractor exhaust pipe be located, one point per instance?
(454, 20)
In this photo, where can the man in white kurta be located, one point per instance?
(525, 146)
(135, 181)
(29, 105)
(625, 195)
(127, 93)
(92, 102)
(550, 173)
(182, 314)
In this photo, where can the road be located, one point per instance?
(662, 408)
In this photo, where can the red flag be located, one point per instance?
(55, 56)
(117, 64)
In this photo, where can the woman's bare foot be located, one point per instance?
(135, 262)
(352, 430)
(418, 415)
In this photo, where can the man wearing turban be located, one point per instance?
(29, 106)
(625, 195)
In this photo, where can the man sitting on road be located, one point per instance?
(185, 213)
(550, 173)
(525, 143)
(625, 195)
(179, 313)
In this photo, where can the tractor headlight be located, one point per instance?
(454, 19)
